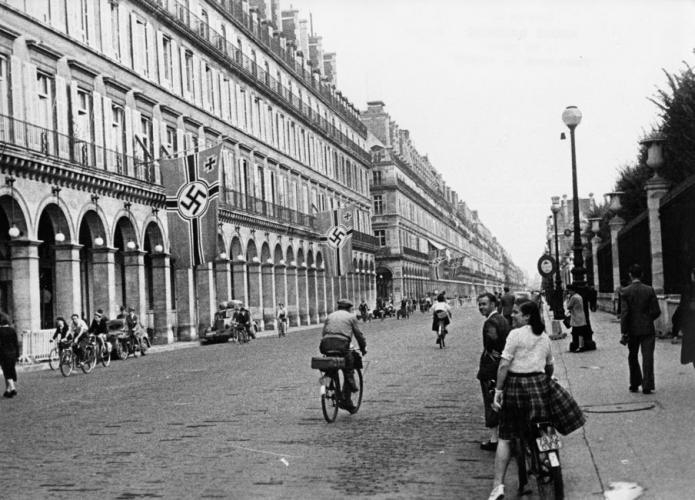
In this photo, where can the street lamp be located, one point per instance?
(573, 117)
(558, 310)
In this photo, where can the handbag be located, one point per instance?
(566, 321)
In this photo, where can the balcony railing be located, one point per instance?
(251, 205)
(415, 253)
(368, 239)
(84, 153)
(200, 28)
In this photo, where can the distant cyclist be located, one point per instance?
(338, 330)
(441, 311)
(80, 335)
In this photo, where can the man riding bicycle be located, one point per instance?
(99, 327)
(242, 318)
(338, 330)
(441, 311)
(80, 335)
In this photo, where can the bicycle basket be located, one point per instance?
(326, 363)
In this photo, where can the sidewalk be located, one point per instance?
(629, 437)
(157, 348)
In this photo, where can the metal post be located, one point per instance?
(578, 271)
(557, 299)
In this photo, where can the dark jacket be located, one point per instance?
(495, 331)
(99, 325)
(506, 304)
(638, 310)
(9, 345)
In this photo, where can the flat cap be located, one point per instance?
(344, 303)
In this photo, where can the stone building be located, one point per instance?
(428, 239)
(93, 93)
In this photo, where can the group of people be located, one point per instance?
(515, 373)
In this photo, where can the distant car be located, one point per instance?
(221, 329)
(525, 295)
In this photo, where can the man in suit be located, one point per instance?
(506, 305)
(638, 310)
(495, 330)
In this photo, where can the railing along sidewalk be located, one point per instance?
(36, 345)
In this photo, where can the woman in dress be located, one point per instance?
(9, 354)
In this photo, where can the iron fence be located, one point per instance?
(236, 200)
(634, 247)
(604, 257)
(678, 236)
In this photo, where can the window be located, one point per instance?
(380, 236)
(208, 84)
(378, 204)
(44, 91)
(171, 140)
(115, 31)
(84, 20)
(166, 56)
(188, 69)
(139, 46)
(204, 24)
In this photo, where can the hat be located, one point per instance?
(131, 309)
(344, 303)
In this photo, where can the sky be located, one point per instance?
(482, 85)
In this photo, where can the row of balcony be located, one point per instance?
(183, 17)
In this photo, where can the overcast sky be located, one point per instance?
(481, 85)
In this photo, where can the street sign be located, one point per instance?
(546, 266)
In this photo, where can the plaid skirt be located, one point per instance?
(534, 398)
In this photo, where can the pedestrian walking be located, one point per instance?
(638, 310)
(506, 304)
(495, 330)
(684, 321)
(9, 355)
(577, 319)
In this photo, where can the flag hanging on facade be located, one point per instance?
(192, 186)
(336, 228)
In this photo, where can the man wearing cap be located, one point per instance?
(242, 317)
(337, 334)
(99, 327)
(132, 322)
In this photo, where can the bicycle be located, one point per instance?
(54, 355)
(538, 454)
(333, 384)
(282, 327)
(242, 334)
(103, 352)
(70, 359)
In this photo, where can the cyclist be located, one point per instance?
(80, 336)
(282, 318)
(133, 323)
(62, 333)
(338, 330)
(524, 390)
(441, 311)
(99, 327)
(242, 317)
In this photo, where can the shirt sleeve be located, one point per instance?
(549, 360)
(510, 346)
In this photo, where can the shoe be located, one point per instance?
(13, 393)
(634, 388)
(438, 340)
(647, 391)
(488, 446)
(351, 408)
(7, 394)
(497, 493)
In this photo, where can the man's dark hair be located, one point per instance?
(506, 289)
(491, 297)
(635, 271)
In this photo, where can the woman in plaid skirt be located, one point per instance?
(525, 391)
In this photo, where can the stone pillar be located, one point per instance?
(292, 308)
(595, 242)
(656, 188)
(269, 303)
(321, 291)
(185, 304)
(240, 281)
(302, 295)
(135, 296)
(223, 280)
(161, 298)
(26, 293)
(281, 284)
(616, 224)
(68, 289)
(312, 294)
(255, 291)
(104, 270)
(205, 293)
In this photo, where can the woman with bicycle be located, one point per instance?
(441, 312)
(525, 391)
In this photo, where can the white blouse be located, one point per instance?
(526, 351)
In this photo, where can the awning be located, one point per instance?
(437, 245)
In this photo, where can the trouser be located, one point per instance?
(341, 347)
(491, 416)
(645, 375)
(8, 368)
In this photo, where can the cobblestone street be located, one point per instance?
(244, 421)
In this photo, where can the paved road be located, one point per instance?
(231, 421)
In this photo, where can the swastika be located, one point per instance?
(193, 200)
(336, 236)
(209, 164)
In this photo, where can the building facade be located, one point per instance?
(93, 93)
(428, 239)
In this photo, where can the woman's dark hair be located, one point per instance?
(535, 321)
(441, 298)
(65, 323)
(4, 319)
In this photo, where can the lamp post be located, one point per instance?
(558, 310)
(573, 117)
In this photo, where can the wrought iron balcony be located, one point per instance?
(240, 202)
(414, 253)
(85, 154)
(363, 240)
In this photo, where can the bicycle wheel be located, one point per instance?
(104, 355)
(523, 463)
(440, 336)
(121, 350)
(54, 358)
(357, 396)
(329, 400)
(66, 362)
(90, 359)
(549, 478)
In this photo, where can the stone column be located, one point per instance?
(205, 294)
(312, 294)
(185, 304)
(302, 295)
(223, 280)
(26, 293)
(595, 242)
(255, 291)
(321, 290)
(656, 188)
(240, 281)
(134, 262)
(292, 308)
(104, 270)
(616, 224)
(161, 282)
(269, 303)
(281, 284)
(68, 289)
